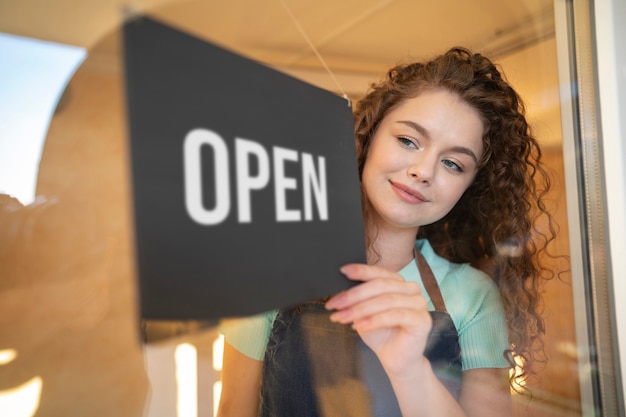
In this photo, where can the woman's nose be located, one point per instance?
(422, 167)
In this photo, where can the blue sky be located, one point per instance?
(33, 74)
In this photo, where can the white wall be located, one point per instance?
(610, 16)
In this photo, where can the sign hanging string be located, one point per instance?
(315, 51)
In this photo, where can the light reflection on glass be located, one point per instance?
(23, 400)
(186, 357)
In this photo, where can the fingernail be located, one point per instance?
(345, 269)
(334, 302)
(339, 317)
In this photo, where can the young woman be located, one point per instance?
(452, 184)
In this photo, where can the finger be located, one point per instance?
(416, 322)
(372, 289)
(379, 305)
(363, 272)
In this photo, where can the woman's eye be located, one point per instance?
(407, 142)
(452, 165)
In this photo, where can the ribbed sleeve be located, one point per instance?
(249, 335)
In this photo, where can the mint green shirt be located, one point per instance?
(471, 298)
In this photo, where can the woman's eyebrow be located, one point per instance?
(424, 132)
(417, 127)
(466, 151)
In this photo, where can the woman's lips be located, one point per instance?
(407, 193)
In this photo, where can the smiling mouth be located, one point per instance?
(407, 194)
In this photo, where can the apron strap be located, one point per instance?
(429, 281)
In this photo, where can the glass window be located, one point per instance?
(72, 341)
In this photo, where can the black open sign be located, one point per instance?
(245, 184)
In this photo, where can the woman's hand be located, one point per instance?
(389, 313)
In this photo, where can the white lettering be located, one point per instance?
(245, 183)
(313, 179)
(310, 182)
(194, 140)
(282, 183)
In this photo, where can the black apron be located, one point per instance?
(316, 368)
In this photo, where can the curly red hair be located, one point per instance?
(499, 224)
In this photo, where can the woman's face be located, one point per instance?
(422, 158)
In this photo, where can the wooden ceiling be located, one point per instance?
(358, 39)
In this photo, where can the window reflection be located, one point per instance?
(22, 400)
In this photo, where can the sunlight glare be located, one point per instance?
(187, 380)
